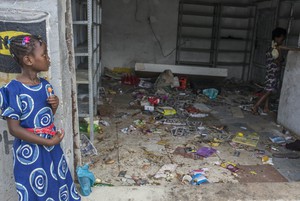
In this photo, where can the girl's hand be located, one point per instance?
(56, 139)
(53, 101)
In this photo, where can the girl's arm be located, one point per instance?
(21, 133)
(289, 48)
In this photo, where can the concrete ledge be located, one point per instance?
(180, 69)
(228, 191)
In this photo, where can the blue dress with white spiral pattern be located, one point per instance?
(41, 172)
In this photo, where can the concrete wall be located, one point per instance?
(127, 37)
(59, 75)
(289, 104)
(7, 184)
(126, 34)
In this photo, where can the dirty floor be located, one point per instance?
(144, 151)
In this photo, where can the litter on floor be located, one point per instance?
(160, 132)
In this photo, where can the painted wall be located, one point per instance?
(127, 37)
(59, 76)
(289, 104)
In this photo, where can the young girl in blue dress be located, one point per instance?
(28, 104)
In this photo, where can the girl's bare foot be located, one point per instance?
(254, 111)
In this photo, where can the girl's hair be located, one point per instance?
(21, 45)
(277, 32)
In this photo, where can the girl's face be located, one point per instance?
(41, 60)
(279, 40)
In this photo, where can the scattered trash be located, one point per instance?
(130, 79)
(104, 123)
(182, 151)
(177, 112)
(189, 150)
(103, 184)
(285, 131)
(267, 160)
(198, 115)
(175, 122)
(202, 107)
(86, 179)
(109, 162)
(153, 100)
(162, 172)
(166, 110)
(249, 140)
(182, 82)
(186, 179)
(278, 139)
(97, 181)
(236, 153)
(86, 147)
(165, 79)
(139, 122)
(149, 108)
(206, 151)
(124, 130)
(264, 159)
(139, 181)
(145, 84)
(180, 131)
(198, 179)
(122, 173)
(176, 82)
(169, 176)
(230, 166)
(211, 93)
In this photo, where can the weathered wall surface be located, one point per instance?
(58, 75)
(289, 105)
(127, 37)
(7, 184)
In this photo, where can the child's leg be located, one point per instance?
(260, 101)
(266, 107)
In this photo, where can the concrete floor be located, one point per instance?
(148, 145)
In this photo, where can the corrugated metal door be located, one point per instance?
(265, 25)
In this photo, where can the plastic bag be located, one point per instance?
(86, 179)
(211, 93)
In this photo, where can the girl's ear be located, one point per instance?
(27, 60)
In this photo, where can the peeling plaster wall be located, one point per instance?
(59, 76)
(127, 37)
(289, 104)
